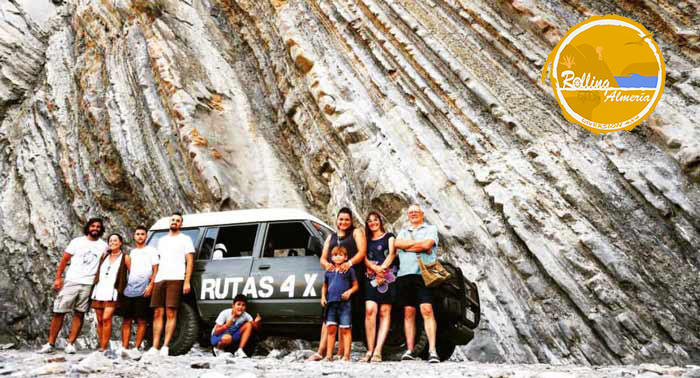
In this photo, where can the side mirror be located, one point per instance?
(314, 246)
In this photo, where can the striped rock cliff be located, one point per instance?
(584, 247)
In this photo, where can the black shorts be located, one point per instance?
(372, 294)
(412, 291)
(136, 307)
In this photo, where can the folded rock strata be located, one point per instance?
(584, 247)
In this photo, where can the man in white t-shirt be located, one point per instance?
(83, 254)
(136, 302)
(176, 257)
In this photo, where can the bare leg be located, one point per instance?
(331, 341)
(384, 323)
(106, 327)
(324, 340)
(99, 313)
(347, 340)
(140, 332)
(75, 326)
(55, 327)
(171, 316)
(225, 341)
(246, 331)
(370, 325)
(157, 325)
(341, 345)
(409, 326)
(426, 310)
(126, 332)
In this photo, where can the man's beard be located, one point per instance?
(173, 228)
(95, 234)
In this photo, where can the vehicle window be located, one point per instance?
(235, 241)
(193, 233)
(208, 244)
(287, 240)
(323, 230)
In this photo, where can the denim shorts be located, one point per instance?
(236, 336)
(339, 313)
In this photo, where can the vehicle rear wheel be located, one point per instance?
(186, 331)
(445, 348)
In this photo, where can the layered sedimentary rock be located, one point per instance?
(584, 247)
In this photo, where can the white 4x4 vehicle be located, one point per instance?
(272, 256)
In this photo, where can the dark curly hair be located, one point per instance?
(86, 228)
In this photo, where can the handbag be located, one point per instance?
(433, 274)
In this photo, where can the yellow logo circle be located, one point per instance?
(607, 73)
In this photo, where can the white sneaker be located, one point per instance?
(122, 352)
(240, 354)
(164, 351)
(47, 348)
(70, 348)
(133, 354)
(151, 352)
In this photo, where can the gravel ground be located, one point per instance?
(200, 363)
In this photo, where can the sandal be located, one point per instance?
(367, 357)
(315, 357)
(376, 358)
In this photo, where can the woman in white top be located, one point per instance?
(109, 286)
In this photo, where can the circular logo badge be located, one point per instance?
(607, 74)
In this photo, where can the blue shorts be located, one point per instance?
(236, 335)
(340, 314)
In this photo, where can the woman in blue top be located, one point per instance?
(353, 239)
(380, 289)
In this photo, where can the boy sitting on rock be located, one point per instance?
(234, 327)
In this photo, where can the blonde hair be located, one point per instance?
(339, 250)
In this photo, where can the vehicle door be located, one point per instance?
(288, 274)
(222, 267)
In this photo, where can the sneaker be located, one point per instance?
(151, 352)
(240, 354)
(133, 353)
(47, 348)
(111, 354)
(70, 348)
(433, 358)
(408, 356)
(164, 351)
(123, 353)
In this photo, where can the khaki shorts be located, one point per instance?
(167, 294)
(72, 297)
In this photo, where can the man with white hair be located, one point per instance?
(419, 241)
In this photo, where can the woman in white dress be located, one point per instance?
(110, 282)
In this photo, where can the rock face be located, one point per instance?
(584, 247)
